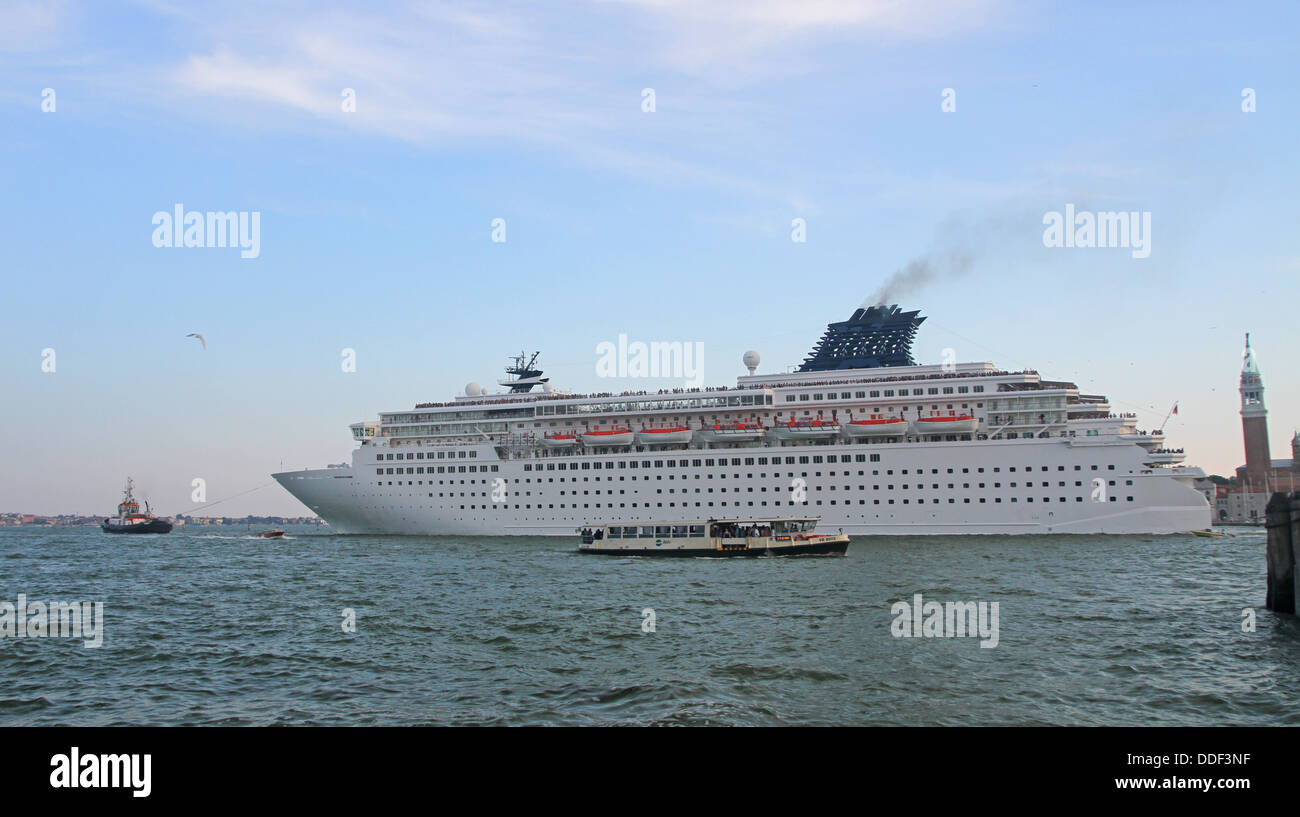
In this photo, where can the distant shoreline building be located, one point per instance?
(1243, 502)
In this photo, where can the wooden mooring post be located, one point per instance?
(1282, 519)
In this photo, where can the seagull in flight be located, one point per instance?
(200, 337)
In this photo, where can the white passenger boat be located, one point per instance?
(745, 536)
(664, 435)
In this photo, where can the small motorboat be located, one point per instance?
(1209, 533)
(131, 520)
(271, 534)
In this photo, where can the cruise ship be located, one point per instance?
(859, 435)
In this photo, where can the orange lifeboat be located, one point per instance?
(877, 425)
(608, 436)
(805, 429)
(664, 435)
(560, 439)
(947, 424)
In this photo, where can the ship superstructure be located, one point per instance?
(860, 436)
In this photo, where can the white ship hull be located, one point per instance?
(859, 497)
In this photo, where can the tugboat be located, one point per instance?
(130, 520)
(751, 536)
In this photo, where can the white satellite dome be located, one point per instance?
(473, 390)
(548, 388)
(482, 391)
(750, 360)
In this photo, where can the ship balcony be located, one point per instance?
(1148, 440)
(1165, 456)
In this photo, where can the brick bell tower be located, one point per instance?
(1254, 421)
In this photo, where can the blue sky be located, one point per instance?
(670, 225)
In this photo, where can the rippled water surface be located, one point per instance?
(206, 627)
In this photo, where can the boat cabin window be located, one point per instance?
(663, 530)
(697, 531)
(680, 531)
(615, 532)
(647, 532)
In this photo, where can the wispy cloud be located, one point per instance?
(743, 38)
(564, 78)
(31, 25)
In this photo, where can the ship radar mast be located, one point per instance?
(524, 374)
